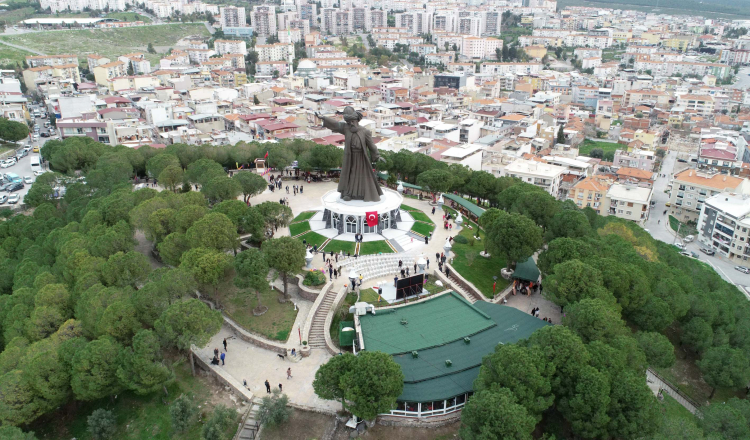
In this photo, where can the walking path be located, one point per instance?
(652, 378)
(21, 47)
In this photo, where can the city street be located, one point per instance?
(658, 226)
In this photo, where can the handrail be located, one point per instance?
(675, 389)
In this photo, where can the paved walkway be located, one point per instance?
(21, 47)
(652, 379)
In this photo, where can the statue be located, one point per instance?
(357, 182)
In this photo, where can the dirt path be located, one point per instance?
(144, 246)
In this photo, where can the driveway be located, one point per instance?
(658, 226)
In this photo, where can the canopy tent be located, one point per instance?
(527, 271)
(471, 207)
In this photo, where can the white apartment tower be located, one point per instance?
(264, 20)
(232, 17)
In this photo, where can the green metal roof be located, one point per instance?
(527, 271)
(422, 325)
(472, 208)
(427, 377)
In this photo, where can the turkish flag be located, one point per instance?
(372, 218)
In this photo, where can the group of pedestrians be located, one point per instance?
(219, 356)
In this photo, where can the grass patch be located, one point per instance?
(307, 215)
(477, 269)
(421, 216)
(607, 147)
(313, 239)
(423, 228)
(238, 304)
(374, 247)
(673, 410)
(108, 42)
(298, 228)
(409, 208)
(10, 56)
(340, 245)
(129, 16)
(138, 417)
(684, 228)
(342, 314)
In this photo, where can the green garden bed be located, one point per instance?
(313, 238)
(421, 216)
(423, 228)
(409, 208)
(307, 215)
(340, 245)
(275, 324)
(374, 247)
(298, 228)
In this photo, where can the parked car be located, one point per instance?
(27, 149)
(28, 180)
(742, 269)
(680, 246)
(16, 186)
(45, 135)
(708, 251)
(40, 172)
(688, 239)
(3, 199)
(7, 163)
(13, 199)
(5, 186)
(689, 254)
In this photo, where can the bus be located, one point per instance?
(36, 164)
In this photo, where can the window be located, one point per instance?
(689, 203)
(351, 224)
(619, 211)
(628, 212)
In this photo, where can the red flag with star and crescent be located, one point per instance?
(372, 218)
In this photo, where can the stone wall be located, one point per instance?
(254, 339)
(420, 422)
(222, 376)
(308, 293)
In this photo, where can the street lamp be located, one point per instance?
(447, 248)
(421, 263)
(308, 259)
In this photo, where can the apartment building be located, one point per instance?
(51, 60)
(110, 70)
(62, 72)
(264, 20)
(629, 202)
(361, 19)
(691, 188)
(415, 22)
(269, 68)
(275, 52)
(723, 225)
(232, 17)
(137, 61)
(230, 46)
(546, 176)
(591, 192)
(637, 158)
(94, 60)
(490, 68)
(701, 104)
(469, 26)
(309, 13)
(480, 48)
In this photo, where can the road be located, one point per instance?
(658, 226)
(743, 79)
(22, 48)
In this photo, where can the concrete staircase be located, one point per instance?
(468, 294)
(250, 426)
(296, 358)
(317, 329)
(405, 242)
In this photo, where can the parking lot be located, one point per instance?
(23, 167)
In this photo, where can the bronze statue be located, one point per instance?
(358, 182)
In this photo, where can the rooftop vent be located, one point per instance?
(448, 363)
(414, 354)
(467, 340)
(404, 322)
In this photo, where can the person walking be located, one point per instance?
(428, 263)
(301, 189)
(222, 358)
(225, 344)
(330, 272)
(415, 267)
(216, 352)
(400, 263)
(395, 281)
(289, 373)
(280, 388)
(426, 240)
(287, 189)
(268, 387)
(335, 274)
(433, 210)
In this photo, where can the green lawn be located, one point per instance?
(684, 230)
(340, 245)
(298, 228)
(307, 215)
(374, 247)
(138, 417)
(10, 56)
(585, 148)
(313, 238)
(408, 208)
(477, 269)
(238, 304)
(421, 216)
(423, 228)
(108, 42)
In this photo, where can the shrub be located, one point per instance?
(182, 411)
(221, 419)
(314, 278)
(101, 424)
(274, 410)
(460, 239)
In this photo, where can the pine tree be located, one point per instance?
(560, 134)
